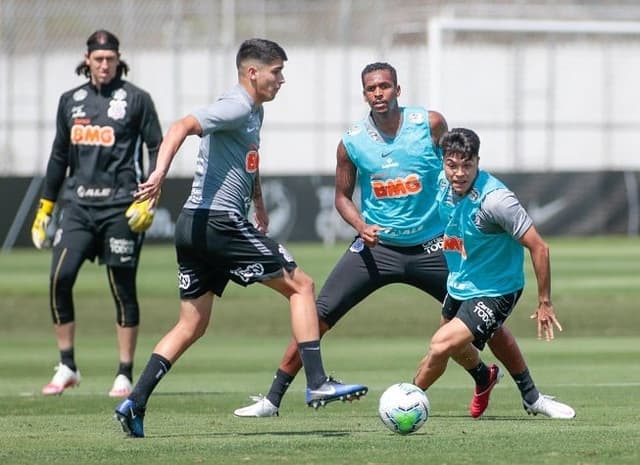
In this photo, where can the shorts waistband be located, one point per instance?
(431, 246)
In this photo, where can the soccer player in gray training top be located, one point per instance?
(215, 242)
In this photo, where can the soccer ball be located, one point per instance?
(403, 408)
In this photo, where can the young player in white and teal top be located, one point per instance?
(481, 234)
(486, 231)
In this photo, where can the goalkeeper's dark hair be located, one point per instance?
(263, 50)
(102, 40)
(461, 141)
(380, 66)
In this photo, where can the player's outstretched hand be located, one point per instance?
(546, 318)
(150, 189)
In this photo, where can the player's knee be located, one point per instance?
(62, 315)
(197, 326)
(61, 301)
(304, 283)
(61, 282)
(442, 345)
(128, 316)
(439, 349)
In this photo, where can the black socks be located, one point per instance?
(126, 369)
(67, 358)
(156, 368)
(312, 362)
(480, 374)
(279, 386)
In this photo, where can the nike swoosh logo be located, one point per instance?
(386, 154)
(329, 390)
(543, 213)
(251, 129)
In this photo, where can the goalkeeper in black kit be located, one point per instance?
(95, 166)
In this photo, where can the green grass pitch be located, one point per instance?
(594, 365)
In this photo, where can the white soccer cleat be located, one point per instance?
(64, 378)
(262, 407)
(122, 387)
(546, 405)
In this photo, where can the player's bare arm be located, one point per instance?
(545, 313)
(177, 133)
(438, 125)
(345, 185)
(261, 215)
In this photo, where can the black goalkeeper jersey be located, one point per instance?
(97, 151)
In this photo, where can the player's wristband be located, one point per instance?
(46, 206)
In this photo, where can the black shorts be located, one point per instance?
(99, 232)
(363, 270)
(215, 247)
(482, 315)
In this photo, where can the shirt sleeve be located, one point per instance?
(501, 211)
(223, 114)
(59, 157)
(150, 129)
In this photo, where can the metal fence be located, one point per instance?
(544, 95)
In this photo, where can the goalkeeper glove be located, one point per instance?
(39, 227)
(140, 216)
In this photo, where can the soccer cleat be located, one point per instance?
(130, 418)
(480, 400)
(262, 407)
(332, 390)
(121, 387)
(64, 378)
(546, 405)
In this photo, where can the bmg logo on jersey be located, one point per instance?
(453, 244)
(399, 187)
(92, 135)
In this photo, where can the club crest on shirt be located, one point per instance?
(118, 105)
(119, 94)
(79, 95)
(117, 109)
(416, 118)
(353, 130)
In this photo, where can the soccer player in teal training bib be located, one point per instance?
(486, 232)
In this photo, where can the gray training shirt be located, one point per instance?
(227, 162)
(501, 211)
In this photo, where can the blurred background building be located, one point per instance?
(549, 85)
